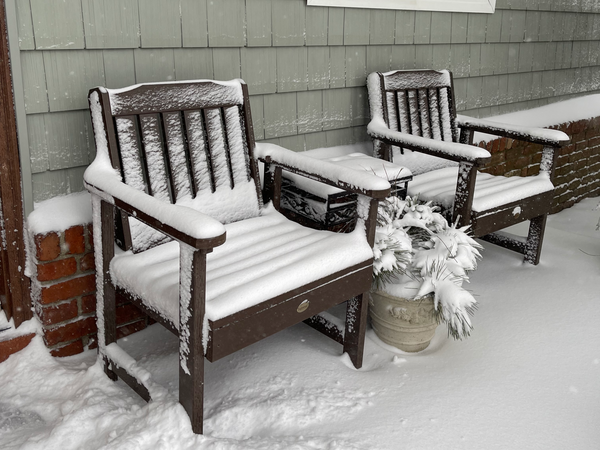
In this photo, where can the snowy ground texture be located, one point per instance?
(528, 378)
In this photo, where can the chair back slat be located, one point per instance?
(177, 155)
(152, 142)
(183, 143)
(130, 155)
(434, 114)
(447, 115)
(218, 150)
(238, 147)
(420, 103)
(198, 148)
(424, 113)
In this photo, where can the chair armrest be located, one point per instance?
(544, 136)
(179, 222)
(447, 150)
(342, 177)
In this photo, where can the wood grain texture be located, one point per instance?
(194, 23)
(259, 69)
(226, 23)
(111, 23)
(160, 24)
(119, 68)
(259, 23)
(289, 22)
(57, 25)
(34, 82)
(69, 76)
(25, 25)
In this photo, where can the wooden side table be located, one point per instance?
(324, 207)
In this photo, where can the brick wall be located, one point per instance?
(64, 292)
(577, 173)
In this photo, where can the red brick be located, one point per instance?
(128, 313)
(70, 331)
(68, 350)
(87, 262)
(593, 142)
(59, 313)
(88, 304)
(502, 144)
(14, 345)
(69, 289)
(577, 127)
(533, 170)
(56, 269)
(131, 328)
(74, 240)
(47, 246)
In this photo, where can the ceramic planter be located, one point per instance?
(404, 323)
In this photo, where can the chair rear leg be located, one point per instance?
(535, 238)
(356, 328)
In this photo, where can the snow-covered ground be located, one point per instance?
(527, 378)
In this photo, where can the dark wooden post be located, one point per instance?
(10, 182)
(465, 187)
(191, 345)
(108, 300)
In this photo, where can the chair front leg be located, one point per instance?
(535, 238)
(356, 328)
(104, 232)
(193, 333)
(465, 190)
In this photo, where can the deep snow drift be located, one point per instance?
(527, 378)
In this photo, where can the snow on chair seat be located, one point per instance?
(262, 258)
(175, 184)
(491, 191)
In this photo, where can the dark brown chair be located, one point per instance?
(415, 111)
(176, 171)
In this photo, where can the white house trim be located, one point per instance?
(475, 6)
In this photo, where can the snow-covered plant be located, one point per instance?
(414, 242)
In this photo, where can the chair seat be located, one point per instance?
(490, 191)
(262, 257)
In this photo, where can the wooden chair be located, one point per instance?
(176, 170)
(415, 110)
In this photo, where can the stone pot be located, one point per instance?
(406, 324)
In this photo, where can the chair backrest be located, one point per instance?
(188, 143)
(419, 102)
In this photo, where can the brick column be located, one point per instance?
(64, 292)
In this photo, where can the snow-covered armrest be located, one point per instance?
(536, 135)
(179, 222)
(448, 150)
(326, 172)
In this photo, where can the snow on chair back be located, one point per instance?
(186, 143)
(420, 103)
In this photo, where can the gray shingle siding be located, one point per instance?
(305, 67)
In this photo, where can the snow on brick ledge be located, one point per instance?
(62, 270)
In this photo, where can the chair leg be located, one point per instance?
(191, 332)
(356, 327)
(191, 390)
(533, 246)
